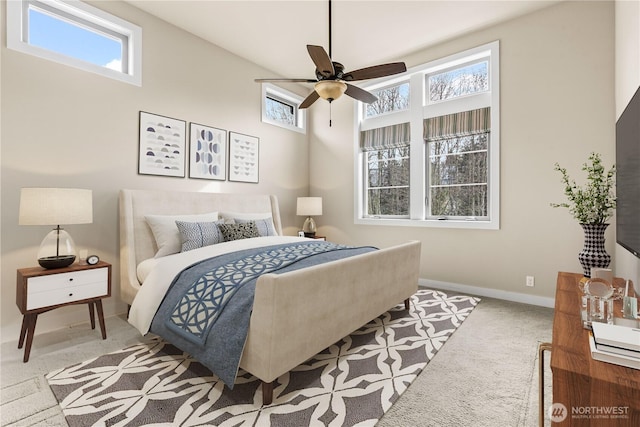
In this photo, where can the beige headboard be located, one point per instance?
(136, 239)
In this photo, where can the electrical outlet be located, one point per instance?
(530, 281)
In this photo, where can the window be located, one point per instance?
(428, 153)
(280, 108)
(460, 81)
(76, 34)
(388, 189)
(457, 149)
(394, 98)
(387, 155)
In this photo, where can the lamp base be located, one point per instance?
(51, 262)
(309, 227)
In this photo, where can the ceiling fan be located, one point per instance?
(332, 80)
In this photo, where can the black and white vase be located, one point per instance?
(593, 253)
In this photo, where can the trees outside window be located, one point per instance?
(388, 181)
(394, 98)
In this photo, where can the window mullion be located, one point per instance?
(417, 190)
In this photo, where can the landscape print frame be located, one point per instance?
(162, 145)
(244, 158)
(207, 152)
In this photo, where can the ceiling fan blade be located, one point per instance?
(313, 97)
(376, 71)
(360, 94)
(321, 60)
(287, 80)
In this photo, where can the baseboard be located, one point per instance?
(487, 292)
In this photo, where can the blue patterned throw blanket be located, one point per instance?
(207, 309)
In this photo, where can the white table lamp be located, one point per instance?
(56, 206)
(309, 206)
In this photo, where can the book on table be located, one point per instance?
(615, 344)
(609, 357)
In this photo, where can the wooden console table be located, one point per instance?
(594, 393)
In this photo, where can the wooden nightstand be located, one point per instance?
(39, 290)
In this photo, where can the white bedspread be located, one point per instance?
(160, 273)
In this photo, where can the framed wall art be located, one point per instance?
(207, 152)
(162, 145)
(244, 157)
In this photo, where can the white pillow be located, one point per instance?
(166, 232)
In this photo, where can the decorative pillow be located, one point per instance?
(265, 226)
(166, 233)
(196, 235)
(236, 217)
(238, 231)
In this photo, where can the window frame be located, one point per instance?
(83, 15)
(287, 97)
(420, 109)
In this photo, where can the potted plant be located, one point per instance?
(591, 205)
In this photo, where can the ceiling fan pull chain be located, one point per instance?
(329, 114)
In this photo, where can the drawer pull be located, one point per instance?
(70, 295)
(71, 279)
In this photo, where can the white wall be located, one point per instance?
(68, 128)
(627, 48)
(557, 105)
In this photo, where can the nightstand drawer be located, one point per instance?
(66, 295)
(51, 282)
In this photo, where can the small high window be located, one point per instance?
(76, 34)
(280, 108)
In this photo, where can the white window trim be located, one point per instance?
(417, 165)
(278, 92)
(133, 33)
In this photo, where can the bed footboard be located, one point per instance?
(298, 314)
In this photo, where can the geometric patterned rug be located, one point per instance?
(353, 382)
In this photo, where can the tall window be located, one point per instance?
(387, 152)
(457, 148)
(429, 148)
(280, 108)
(76, 34)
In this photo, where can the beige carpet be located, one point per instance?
(486, 374)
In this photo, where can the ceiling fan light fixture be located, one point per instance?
(330, 90)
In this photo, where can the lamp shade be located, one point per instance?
(330, 90)
(309, 206)
(55, 206)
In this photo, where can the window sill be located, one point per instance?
(406, 222)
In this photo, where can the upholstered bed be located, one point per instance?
(295, 314)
